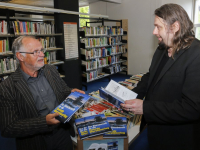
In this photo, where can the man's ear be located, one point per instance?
(20, 56)
(175, 26)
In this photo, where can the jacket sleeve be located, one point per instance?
(186, 109)
(12, 124)
(141, 88)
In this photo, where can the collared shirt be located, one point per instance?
(43, 94)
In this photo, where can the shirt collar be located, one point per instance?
(26, 76)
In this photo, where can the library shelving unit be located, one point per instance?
(12, 27)
(101, 51)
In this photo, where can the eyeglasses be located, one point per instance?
(36, 52)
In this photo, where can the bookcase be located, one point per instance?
(12, 27)
(101, 51)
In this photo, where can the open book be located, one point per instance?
(116, 93)
(70, 105)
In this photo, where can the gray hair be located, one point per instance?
(18, 46)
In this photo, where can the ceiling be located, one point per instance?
(45, 3)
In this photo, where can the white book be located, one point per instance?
(120, 91)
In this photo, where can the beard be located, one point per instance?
(162, 46)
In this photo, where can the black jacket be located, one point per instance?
(19, 115)
(173, 111)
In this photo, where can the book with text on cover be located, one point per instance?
(92, 126)
(116, 93)
(70, 105)
(118, 126)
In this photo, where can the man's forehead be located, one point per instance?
(30, 42)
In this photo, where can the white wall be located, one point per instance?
(142, 43)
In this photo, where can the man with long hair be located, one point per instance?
(171, 88)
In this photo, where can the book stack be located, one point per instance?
(3, 27)
(26, 27)
(115, 30)
(7, 65)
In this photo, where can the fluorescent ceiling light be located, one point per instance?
(47, 10)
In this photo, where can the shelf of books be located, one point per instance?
(43, 30)
(101, 49)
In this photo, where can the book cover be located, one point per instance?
(118, 126)
(92, 126)
(70, 105)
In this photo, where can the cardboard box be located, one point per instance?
(86, 143)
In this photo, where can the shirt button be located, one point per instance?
(42, 90)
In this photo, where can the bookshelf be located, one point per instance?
(12, 27)
(101, 52)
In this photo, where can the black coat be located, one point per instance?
(173, 111)
(19, 115)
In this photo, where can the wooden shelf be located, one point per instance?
(53, 49)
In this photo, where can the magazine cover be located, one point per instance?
(97, 124)
(118, 126)
(82, 128)
(70, 105)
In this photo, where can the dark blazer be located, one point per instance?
(172, 113)
(19, 115)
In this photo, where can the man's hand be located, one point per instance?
(134, 105)
(77, 90)
(51, 120)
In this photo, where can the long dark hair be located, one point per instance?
(171, 13)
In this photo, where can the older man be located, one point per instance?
(28, 96)
(171, 109)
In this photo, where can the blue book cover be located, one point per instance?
(92, 126)
(97, 124)
(70, 105)
(110, 97)
(118, 126)
(82, 128)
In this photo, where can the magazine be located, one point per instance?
(70, 105)
(116, 93)
(118, 126)
(92, 126)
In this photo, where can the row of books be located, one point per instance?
(26, 27)
(48, 42)
(101, 62)
(50, 57)
(4, 46)
(103, 30)
(114, 40)
(3, 27)
(94, 42)
(102, 52)
(113, 69)
(7, 65)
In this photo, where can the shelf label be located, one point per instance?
(71, 40)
